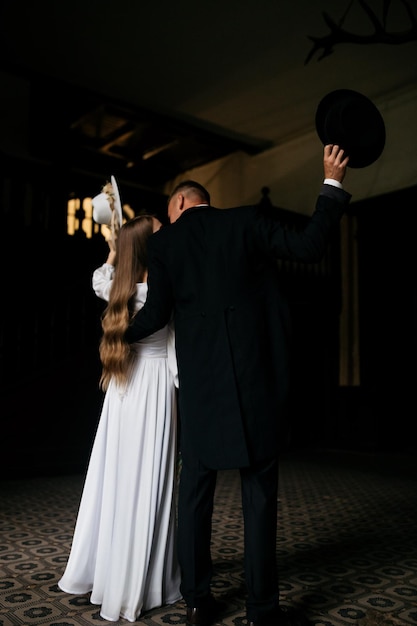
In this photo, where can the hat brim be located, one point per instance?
(349, 119)
(117, 201)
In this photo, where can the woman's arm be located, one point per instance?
(103, 275)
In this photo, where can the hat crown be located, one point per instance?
(352, 121)
(102, 212)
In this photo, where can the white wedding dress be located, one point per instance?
(124, 543)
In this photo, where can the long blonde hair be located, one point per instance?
(116, 354)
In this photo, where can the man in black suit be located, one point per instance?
(216, 271)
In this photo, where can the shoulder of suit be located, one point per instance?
(239, 209)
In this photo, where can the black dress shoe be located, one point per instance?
(203, 615)
(196, 617)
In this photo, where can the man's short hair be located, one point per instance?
(193, 187)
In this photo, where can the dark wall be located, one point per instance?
(388, 316)
(50, 319)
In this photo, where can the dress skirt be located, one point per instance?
(123, 548)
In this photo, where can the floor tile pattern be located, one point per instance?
(346, 545)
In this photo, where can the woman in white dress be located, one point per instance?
(123, 548)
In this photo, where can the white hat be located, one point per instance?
(101, 209)
(102, 206)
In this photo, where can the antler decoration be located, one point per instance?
(380, 35)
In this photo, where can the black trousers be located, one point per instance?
(259, 486)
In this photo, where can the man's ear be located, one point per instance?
(180, 202)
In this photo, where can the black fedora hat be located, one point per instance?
(349, 119)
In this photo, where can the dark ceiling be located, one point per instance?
(147, 91)
(101, 134)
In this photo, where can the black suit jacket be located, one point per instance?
(216, 270)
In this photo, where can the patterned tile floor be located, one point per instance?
(346, 544)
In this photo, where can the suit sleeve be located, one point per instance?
(309, 245)
(157, 310)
